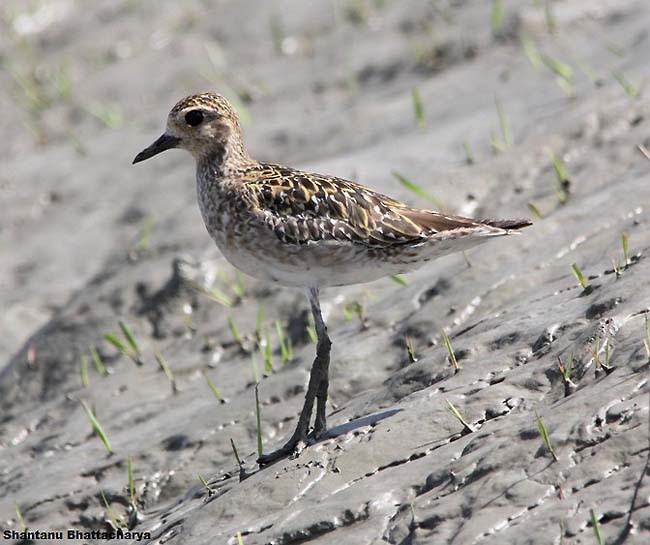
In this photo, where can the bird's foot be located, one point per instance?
(292, 448)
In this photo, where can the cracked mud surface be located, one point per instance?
(397, 467)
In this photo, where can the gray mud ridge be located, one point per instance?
(93, 241)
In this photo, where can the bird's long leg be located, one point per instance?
(323, 349)
(316, 389)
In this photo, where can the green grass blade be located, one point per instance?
(113, 339)
(579, 276)
(549, 18)
(409, 350)
(258, 421)
(234, 450)
(83, 370)
(544, 435)
(531, 51)
(469, 154)
(255, 373)
(234, 331)
(128, 335)
(285, 343)
(266, 353)
(504, 124)
(626, 248)
(418, 109)
(109, 511)
(561, 69)
(240, 541)
(450, 351)
(533, 208)
(97, 427)
(97, 361)
(596, 525)
(630, 89)
(19, 518)
(259, 321)
(417, 190)
(496, 17)
(398, 279)
(215, 391)
(456, 414)
(164, 366)
(129, 467)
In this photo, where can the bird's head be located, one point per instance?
(202, 124)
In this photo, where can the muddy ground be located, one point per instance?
(88, 240)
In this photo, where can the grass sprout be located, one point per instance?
(450, 351)
(19, 518)
(596, 525)
(265, 349)
(580, 277)
(398, 279)
(254, 371)
(215, 391)
(630, 89)
(97, 427)
(259, 322)
(144, 234)
(418, 190)
(210, 491)
(240, 541)
(456, 414)
(352, 309)
(544, 435)
(130, 349)
(566, 369)
(469, 154)
(117, 521)
(234, 331)
(549, 18)
(561, 69)
(109, 116)
(83, 370)
(97, 361)
(129, 469)
(496, 17)
(418, 109)
(561, 178)
(626, 248)
(531, 51)
(409, 349)
(536, 211)
(238, 286)
(503, 141)
(286, 350)
(128, 335)
(215, 294)
(165, 368)
(258, 421)
(234, 451)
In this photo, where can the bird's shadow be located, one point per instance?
(360, 422)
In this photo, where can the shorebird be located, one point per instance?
(305, 230)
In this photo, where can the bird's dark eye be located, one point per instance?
(194, 117)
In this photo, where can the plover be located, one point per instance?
(305, 230)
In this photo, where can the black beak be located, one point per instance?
(163, 143)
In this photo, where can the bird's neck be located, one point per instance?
(226, 160)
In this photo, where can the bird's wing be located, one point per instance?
(302, 207)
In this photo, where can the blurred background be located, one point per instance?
(513, 108)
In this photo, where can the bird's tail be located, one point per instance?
(508, 225)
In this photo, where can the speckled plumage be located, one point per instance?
(303, 229)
